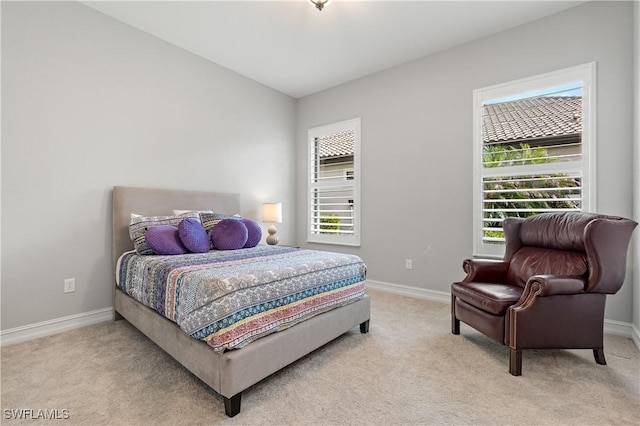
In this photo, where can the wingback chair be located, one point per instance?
(549, 290)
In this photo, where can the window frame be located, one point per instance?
(586, 74)
(354, 125)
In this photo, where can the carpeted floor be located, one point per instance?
(409, 369)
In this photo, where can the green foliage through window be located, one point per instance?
(329, 222)
(523, 196)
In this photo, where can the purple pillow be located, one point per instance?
(229, 234)
(164, 239)
(254, 233)
(193, 235)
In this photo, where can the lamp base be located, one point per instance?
(272, 239)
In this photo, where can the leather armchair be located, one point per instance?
(549, 291)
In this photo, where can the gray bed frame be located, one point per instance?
(231, 372)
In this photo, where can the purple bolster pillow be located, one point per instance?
(164, 239)
(254, 233)
(193, 235)
(229, 234)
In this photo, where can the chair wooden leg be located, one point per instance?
(515, 362)
(455, 322)
(364, 327)
(598, 354)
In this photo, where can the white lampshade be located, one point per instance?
(272, 212)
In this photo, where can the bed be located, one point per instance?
(227, 368)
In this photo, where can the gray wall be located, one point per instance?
(89, 103)
(417, 139)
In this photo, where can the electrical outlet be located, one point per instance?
(69, 285)
(408, 264)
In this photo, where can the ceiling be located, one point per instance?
(292, 47)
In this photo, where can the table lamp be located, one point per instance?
(272, 213)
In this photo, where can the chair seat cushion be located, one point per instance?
(490, 297)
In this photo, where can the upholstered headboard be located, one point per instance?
(160, 202)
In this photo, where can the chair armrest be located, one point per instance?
(547, 285)
(551, 285)
(485, 270)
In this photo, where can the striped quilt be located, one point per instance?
(230, 298)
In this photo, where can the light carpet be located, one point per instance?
(409, 370)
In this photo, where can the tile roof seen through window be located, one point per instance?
(532, 118)
(337, 145)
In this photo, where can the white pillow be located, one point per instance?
(179, 212)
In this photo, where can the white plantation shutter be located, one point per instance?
(516, 188)
(533, 150)
(334, 183)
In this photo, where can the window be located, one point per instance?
(534, 151)
(334, 183)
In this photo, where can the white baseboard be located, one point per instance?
(617, 328)
(405, 290)
(54, 326)
(635, 335)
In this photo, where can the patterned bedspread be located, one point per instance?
(230, 298)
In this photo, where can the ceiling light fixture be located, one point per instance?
(319, 4)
